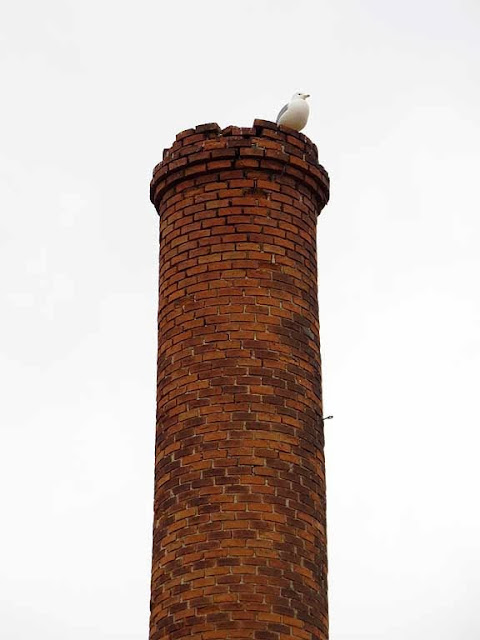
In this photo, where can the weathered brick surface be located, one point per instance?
(239, 544)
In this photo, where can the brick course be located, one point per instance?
(239, 541)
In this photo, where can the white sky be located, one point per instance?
(91, 94)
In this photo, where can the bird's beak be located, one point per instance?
(306, 95)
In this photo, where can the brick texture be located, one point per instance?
(239, 541)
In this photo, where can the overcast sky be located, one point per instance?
(92, 91)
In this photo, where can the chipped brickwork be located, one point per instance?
(239, 543)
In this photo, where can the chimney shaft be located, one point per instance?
(239, 540)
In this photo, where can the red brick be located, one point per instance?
(239, 546)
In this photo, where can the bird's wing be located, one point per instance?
(282, 111)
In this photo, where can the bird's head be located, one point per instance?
(300, 96)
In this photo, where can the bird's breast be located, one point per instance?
(296, 115)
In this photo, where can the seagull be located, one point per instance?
(295, 113)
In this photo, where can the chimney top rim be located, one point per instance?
(208, 149)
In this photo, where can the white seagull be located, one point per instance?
(295, 113)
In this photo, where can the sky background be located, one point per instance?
(91, 94)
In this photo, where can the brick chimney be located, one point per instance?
(239, 540)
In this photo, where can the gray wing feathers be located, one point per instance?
(282, 111)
